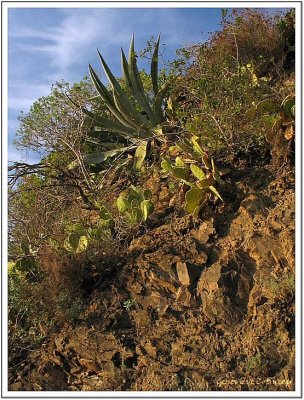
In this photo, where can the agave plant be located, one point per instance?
(135, 120)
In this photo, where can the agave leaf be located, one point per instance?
(108, 98)
(100, 87)
(197, 172)
(193, 200)
(125, 72)
(112, 126)
(123, 98)
(125, 113)
(154, 67)
(140, 155)
(137, 85)
(158, 101)
(98, 158)
(212, 188)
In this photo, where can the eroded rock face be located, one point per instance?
(209, 310)
(225, 288)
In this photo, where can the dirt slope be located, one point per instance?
(197, 305)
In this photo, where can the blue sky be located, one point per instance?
(47, 45)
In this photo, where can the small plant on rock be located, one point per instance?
(135, 204)
(195, 169)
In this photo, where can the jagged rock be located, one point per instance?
(141, 318)
(90, 365)
(203, 233)
(187, 273)
(225, 288)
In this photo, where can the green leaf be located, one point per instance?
(154, 67)
(82, 244)
(105, 217)
(193, 200)
(197, 147)
(98, 158)
(197, 172)
(126, 104)
(146, 208)
(158, 102)
(122, 204)
(212, 188)
(267, 106)
(167, 165)
(179, 162)
(147, 194)
(140, 155)
(175, 171)
(107, 98)
(137, 85)
(205, 183)
(287, 105)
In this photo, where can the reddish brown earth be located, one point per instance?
(196, 304)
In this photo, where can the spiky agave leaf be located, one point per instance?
(137, 84)
(107, 97)
(108, 123)
(158, 102)
(98, 158)
(154, 67)
(128, 107)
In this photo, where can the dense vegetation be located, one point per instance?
(220, 107)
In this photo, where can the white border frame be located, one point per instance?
(5, 5)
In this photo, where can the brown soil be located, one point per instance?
(197, 304)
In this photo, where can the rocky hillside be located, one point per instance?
(194, 305)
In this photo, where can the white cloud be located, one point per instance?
(67, 42)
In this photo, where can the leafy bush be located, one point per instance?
(238, 67)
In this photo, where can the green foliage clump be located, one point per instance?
(135, 204)
(194, 168)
